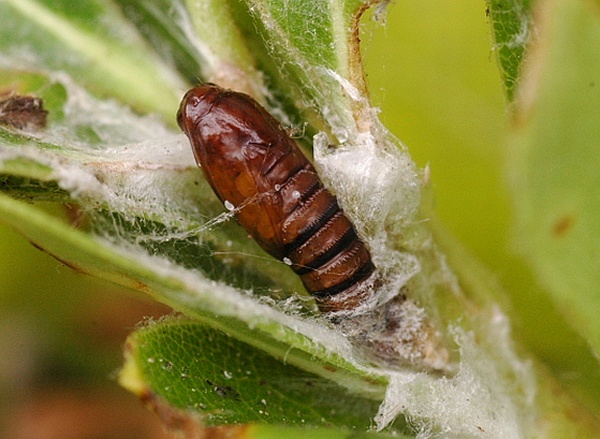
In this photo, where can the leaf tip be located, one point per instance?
(130, 376)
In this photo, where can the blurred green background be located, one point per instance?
(432, 70)
(433, 73)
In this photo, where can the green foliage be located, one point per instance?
(93, 42)
(226, 379)
(153, 225)
(511, 29)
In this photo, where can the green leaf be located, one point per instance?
(193, 367)
(315, 47)
(511, 28)
(163, 24)
(93, 43)
(555, 161)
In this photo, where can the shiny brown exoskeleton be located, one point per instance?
(252, 165)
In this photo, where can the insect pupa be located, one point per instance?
(260, 173)
(253, 165)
